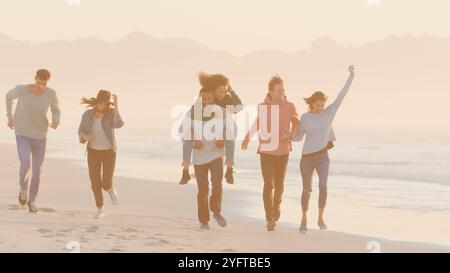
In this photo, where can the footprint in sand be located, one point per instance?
(117, 249)
(131, 230)
(164, 242)
(228, 250)
(15, 207)
(44, 231)
(67, 230)
(48, 210)
(70, 214)
(61, 234)
(92, 229)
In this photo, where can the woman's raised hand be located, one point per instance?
(351, 69)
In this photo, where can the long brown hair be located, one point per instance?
(102, 96)
(90, 102)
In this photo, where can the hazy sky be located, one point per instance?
(238, 26)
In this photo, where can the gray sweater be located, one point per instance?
(30, 117)
(318, 129)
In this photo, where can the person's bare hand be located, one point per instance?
(220, 144)
(244, 145)
(351, 69)
(11, 124)
(198, 144)
(115, 100)
(89, 138)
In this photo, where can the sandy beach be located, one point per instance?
(156, 216)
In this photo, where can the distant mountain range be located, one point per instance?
(401, 80)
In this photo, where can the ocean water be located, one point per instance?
(409, 169)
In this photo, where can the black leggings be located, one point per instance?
(101, 180)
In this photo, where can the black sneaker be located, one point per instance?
(204, 226)
(304, 226)
(23, 198)
(32, 207)
(271, 224)
(321, 224)
(220, 220)
(185, 177)
(229, 176)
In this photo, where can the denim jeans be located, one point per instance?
(31, 155)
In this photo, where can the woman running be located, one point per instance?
(316, 126)
(97, 129)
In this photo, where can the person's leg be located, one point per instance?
(38, 148)
(267, 170)
(216, 169)
(280, 163)
(201, 174)
(24, 153)
(307, 166)
(187, 153)
(230, 146)
(323, 170)
(109, 166)
(95, 170)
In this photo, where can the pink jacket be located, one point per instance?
(288, 123)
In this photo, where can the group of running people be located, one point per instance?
(208, 155)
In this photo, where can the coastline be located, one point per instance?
(156, 216)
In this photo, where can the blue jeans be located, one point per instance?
(31, 155)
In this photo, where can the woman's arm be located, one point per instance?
(82, 133)
(235, 100)
(331, 110)
(117, 119)
(300, 132)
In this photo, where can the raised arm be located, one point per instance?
(331, 110)
(117, 118)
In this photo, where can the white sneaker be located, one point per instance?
(114, 197)
(99, 214)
